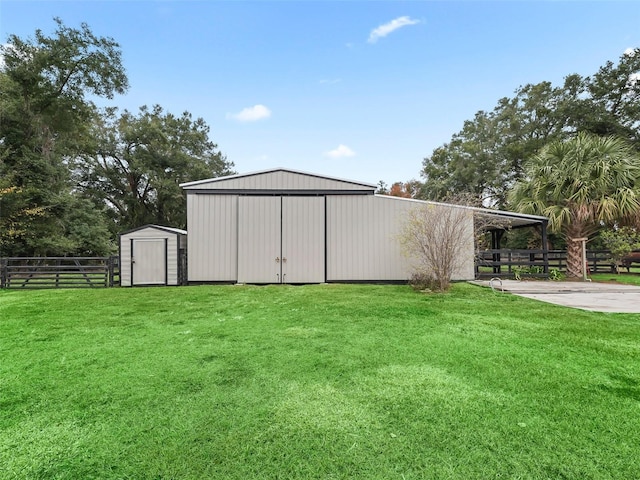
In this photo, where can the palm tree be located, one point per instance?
(581, 184)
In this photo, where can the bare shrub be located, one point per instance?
(422, 282)
(437, 238)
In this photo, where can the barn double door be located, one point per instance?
(281, 239)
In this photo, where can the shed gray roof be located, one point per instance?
(280, 179)
(157, 227)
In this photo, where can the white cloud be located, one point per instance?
(330, 82)
(630, 52)
(341, 152)
(387, 28)
(251, 114)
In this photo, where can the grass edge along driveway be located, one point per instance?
(322, 381)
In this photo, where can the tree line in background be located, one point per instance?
(72, 175)
(487, 157)
(569, 152)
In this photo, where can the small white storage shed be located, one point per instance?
(153, 255)
(285, 226)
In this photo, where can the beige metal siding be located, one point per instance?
(212, 221)
(259, 240)
(362, 239)
(467, 269)
(125, 261)
(303, 240)
(279, 180)
(172, 259)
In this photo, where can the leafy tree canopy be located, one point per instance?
(487, 156)
(140, 160)
(620, 242)
(409, 189)
(45, 85)
(71, 175)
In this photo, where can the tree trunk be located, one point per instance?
(575, 264)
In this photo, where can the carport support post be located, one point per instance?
(545, 248)
(496, 236)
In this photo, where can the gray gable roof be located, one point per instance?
(279, 179)
(177, 231)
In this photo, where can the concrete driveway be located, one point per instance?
(597, 297)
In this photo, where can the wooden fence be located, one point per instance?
(77, 272)
(59, 272)
(531, 263)
(598, 261)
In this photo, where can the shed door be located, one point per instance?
(281, 240)
(149, 261)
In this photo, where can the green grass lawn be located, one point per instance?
(324, 381)
(626, 278)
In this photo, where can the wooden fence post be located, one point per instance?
(3, 272)
(113, 262)
(58, 263)
(182, 267)
(110, 271)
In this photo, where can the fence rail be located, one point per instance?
(531, 263)
(59, 272)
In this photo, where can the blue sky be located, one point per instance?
(359, 90)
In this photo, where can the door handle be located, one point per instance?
(284, 259)
(278, 260)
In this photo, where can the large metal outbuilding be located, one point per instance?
(286, 226)
(152, 255)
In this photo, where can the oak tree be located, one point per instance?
(487, 157)
(139, 161)
(46, 86)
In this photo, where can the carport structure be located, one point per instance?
(498, 262)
